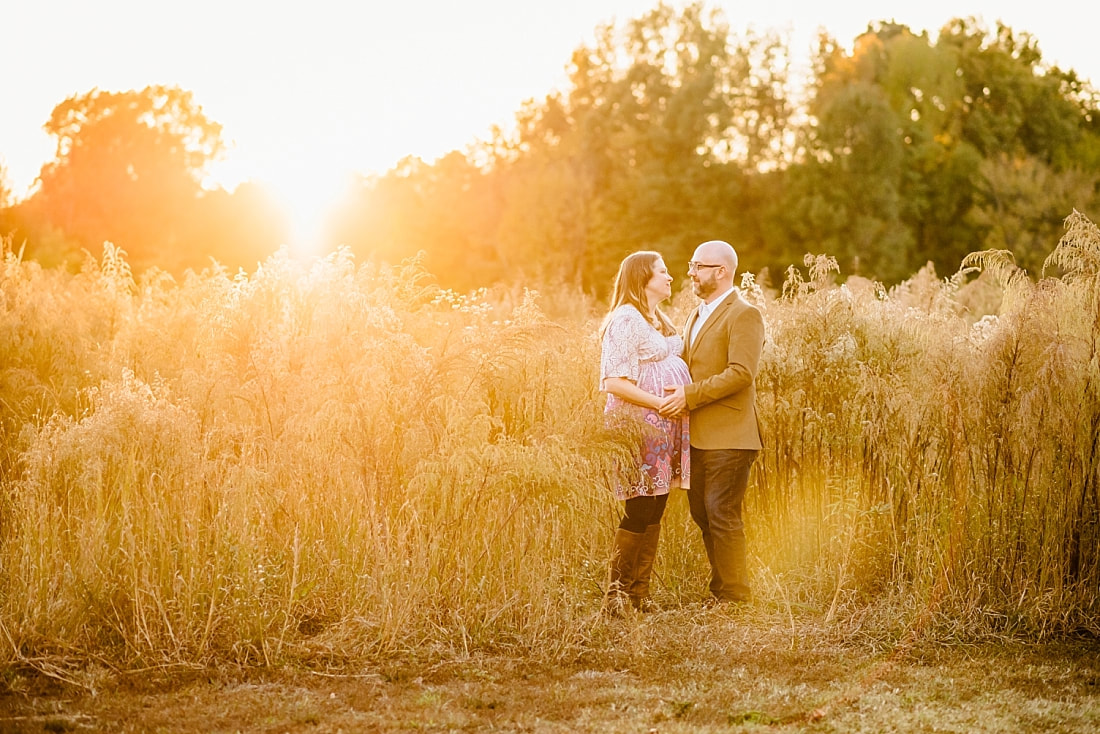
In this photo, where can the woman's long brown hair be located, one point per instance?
(634, 272)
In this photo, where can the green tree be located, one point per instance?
(670, 131)
(128, 168)
(912, 144)
(664, 122)
(238, 229)
(1038, 132)
(846, 199)
(1022, 204)
(542, 232)
(443, 212)
(884, 159)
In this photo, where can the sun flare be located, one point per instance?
(305, 193)
(307, 199)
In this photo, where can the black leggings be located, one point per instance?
(641, 512)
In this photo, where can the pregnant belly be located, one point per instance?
(668, 372)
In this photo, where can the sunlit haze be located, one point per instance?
(312, 95)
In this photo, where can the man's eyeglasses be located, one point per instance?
(693, 266)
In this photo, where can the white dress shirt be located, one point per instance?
(705, 310)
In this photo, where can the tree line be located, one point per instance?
(671, 129)
(128, 169)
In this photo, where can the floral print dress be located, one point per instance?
(634, 349)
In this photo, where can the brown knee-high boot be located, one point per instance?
(643, 569)
(620, 577)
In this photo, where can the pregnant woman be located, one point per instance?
(640, 357)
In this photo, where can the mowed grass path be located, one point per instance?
(683, 670)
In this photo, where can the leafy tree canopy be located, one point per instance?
(924, 151)
(128, 169)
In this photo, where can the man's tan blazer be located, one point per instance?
(723, 361)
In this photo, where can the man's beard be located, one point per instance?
(703, 289)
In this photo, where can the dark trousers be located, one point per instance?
(719, 478)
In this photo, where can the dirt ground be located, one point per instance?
(703, 672)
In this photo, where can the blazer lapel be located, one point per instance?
(711, 320)
(689, 343)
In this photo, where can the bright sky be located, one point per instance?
(311, 92)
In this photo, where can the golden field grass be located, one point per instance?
(325, 469)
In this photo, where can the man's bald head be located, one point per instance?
(717, 252)
(712, 268)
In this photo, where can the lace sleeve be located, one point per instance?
(619, 356)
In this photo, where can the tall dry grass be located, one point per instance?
(951, 457)
(324, 462)
(321, 463)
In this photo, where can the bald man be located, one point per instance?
(722, 343)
